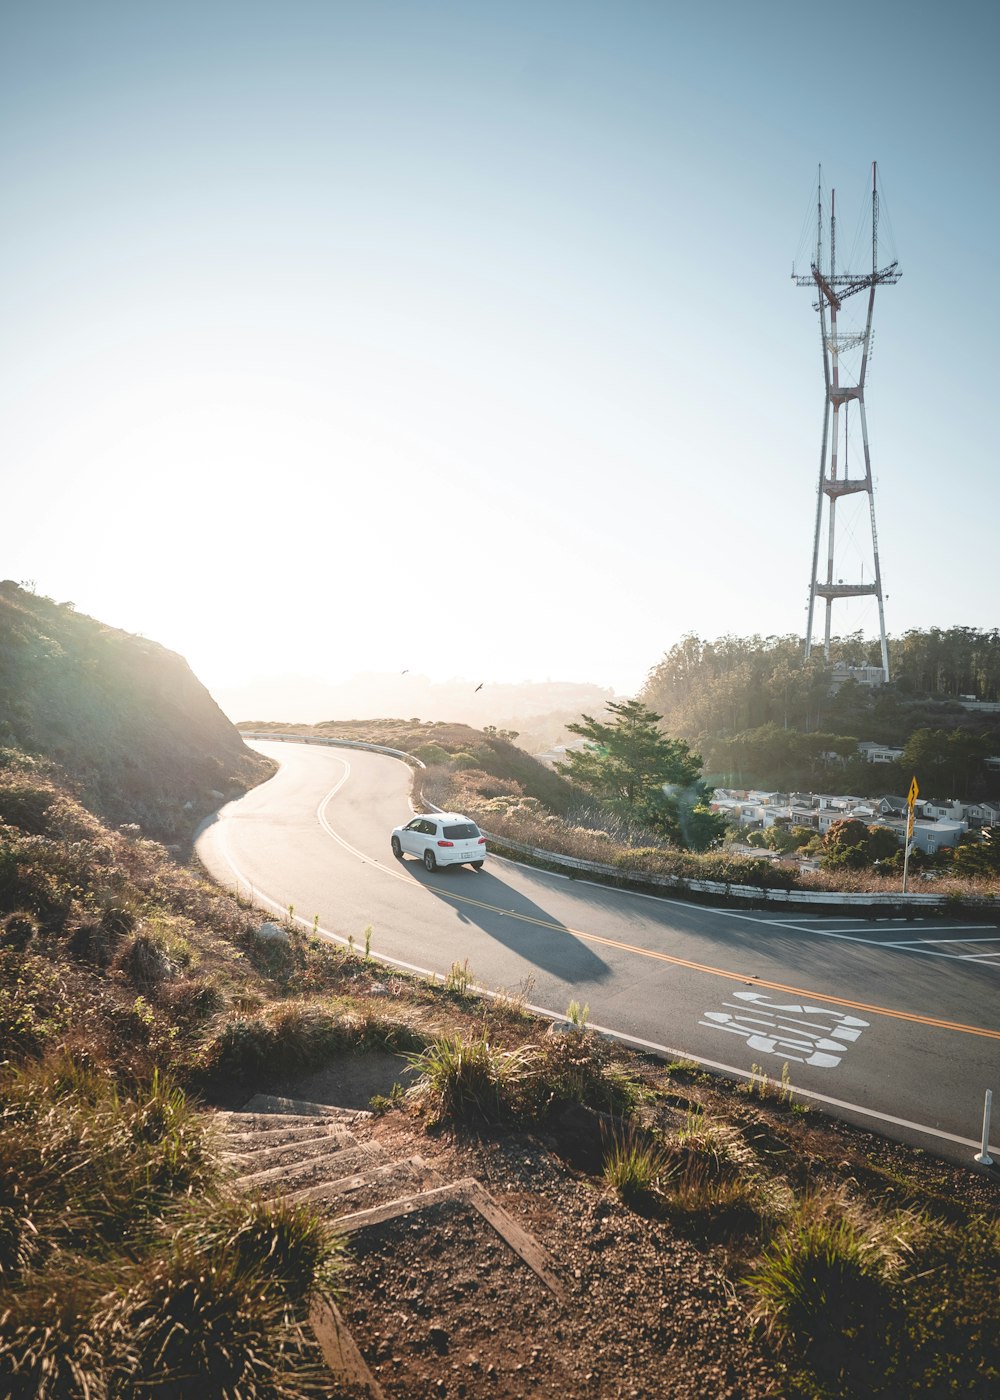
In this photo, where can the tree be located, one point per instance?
(784, 838)
(980, 858)
(700, 828)
(951, 759)
(852, 844)
(882, 843)
(630, 764)
(846, 844)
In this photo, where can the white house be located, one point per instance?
(929, 837)
(879, 753)
(946, 811)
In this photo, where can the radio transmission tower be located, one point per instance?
(835, 482)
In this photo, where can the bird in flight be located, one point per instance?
(479, 686)
(406, 672)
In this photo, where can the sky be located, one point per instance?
(460, 338)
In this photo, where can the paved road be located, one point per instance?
(894, 1025)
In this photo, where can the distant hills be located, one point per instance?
(124, 718)
(310, 700)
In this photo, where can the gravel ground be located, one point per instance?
(656, 1306)
(443, 1307)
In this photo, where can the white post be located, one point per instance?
(984, 1157)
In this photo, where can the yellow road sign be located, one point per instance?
(913, 794)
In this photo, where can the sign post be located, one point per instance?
(910, 800)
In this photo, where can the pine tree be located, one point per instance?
(635, 768)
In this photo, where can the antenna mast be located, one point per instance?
(833, 289)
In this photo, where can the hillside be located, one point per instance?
(763, 716)
(123, 717)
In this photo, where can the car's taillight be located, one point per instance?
(482, 840)
(446, 843)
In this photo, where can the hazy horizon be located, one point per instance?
(307, 699)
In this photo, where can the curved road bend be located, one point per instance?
(893, 1025)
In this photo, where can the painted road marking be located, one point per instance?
(777, 1028)
(919, 946)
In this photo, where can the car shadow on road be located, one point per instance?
(524, 927)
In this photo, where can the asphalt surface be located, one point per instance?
(893, 1025)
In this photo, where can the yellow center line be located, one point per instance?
(652, 953)
(721, 971)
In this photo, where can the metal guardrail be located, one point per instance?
(719, 887)
(681, 883)
(330, 743)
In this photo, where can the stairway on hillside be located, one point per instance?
(394, 1212)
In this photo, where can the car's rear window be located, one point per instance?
(462, 831)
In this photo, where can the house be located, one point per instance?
(896, 806)
(929, 837)
(879, 753)
(983, 813)
(863, 675)
(945, 811)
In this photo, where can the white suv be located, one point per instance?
(441, 838)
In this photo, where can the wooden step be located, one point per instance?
(275, 1103)
(258, 1153)
(272, 1122)
(468, 1191)
(340, 1351)
(391, 1177)
(278, 1132)
(294, 1176)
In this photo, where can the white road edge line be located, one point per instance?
(623, 1036)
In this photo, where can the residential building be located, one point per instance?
(863, 675)
(929, 837)
(945, 811)
(879, 753)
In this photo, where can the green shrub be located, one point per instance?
(88, 942)
(470, 1080)
(35, 1008)
(432, 754)
(48, 1347)
(579, 1067)
(460, 978)
(290, 1245)
(82, 1164)
(34, 879)
(295, 1035)
(192, 998)
(711, 1175)
(950, 1328)
(823, 1286)
(634, 1165)
(206, 1325)
(18, 930)
(145, 963)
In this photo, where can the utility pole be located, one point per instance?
(835, 481)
